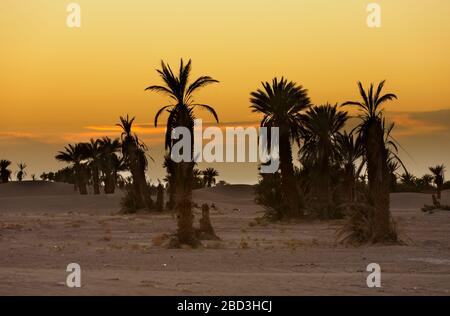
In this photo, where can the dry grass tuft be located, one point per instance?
(359, 228)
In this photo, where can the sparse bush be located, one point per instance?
(360, 224)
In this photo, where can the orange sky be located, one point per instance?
(58, 83)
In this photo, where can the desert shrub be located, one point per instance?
(269, 194)
(359, 226)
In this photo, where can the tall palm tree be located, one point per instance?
(181, 114)
(93, 153)
(74, 154)
(5, 173)
(281, 103)
(209, 176)
(21, 172)
(439, 178)
(376, 154)
(320, 128)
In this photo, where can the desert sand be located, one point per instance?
(46, 226)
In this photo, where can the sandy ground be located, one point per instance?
(44, 227)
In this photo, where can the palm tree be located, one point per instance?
(74, 154)
(21, 173)
(281, 103)
(110, 163)
(438, 174)
(408, 179)
(181, 114)
(209, 176)
(134, 153)
(372, 133)
(349, 150)
(5, 173)
(426, 180)
(93, 153)
(320, 128)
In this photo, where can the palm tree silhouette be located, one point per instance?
(75, 155)
(134, 153)
(349, 151)
(181, 93)
(427, 179)
(209, 176)
(93, 152)
(282, 103)
(21, 172)
(439, 178)
(110, 163)
(320, 128)
(5, 173)
(181, 114)
(372, 133)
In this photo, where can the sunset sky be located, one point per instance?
(61, 85)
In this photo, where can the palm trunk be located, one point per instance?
(108, 180)
(183, 191)
(160, 198)
(96, 180)
(137, 187)
(183, 204)
(144, 188)
(81, 179)
(135, 170)
(378, 175)
(324, 183)
(288, 182)
(350, 183)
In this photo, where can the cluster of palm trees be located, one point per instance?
(93, 162)
(337, 168)
(328, 155)
(326, 152)
(433, 181)
(99, 162)
(5, 172)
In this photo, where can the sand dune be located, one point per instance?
(411, 201)
(35, 188)
(37, 197)
(44, 227)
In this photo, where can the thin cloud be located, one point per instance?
(417, 123)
